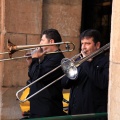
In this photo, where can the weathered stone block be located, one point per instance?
(10, 107)
(33, 39)
(64, 17)
(74, 40)
(23, 16)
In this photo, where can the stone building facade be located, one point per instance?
(22, 22)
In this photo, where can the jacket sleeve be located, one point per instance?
(98, 74)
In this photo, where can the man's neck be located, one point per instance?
(53, 49)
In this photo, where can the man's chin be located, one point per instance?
(87, 54)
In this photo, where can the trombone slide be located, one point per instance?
(69, 67)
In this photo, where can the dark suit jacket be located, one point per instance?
(49, 101)
(89, 91)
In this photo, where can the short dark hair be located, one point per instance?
(91, 33)
(52, 34)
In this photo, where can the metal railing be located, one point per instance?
(73, 117)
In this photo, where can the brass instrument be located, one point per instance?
(14, 48)
(69, 67)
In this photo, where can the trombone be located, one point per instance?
(69, 67)
(14, 48)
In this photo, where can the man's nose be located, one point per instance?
(83, 46)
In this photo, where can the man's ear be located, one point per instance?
(52, 41)
(98, 45)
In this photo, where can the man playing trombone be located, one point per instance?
(49, 101)
(89, 92)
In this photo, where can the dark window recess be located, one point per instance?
(96, 14)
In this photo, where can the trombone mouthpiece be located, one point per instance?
(83, 51)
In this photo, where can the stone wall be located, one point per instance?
(22, 21)
(114, 76)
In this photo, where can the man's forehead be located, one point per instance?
(87, 39)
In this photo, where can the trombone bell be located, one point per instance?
(69, 68)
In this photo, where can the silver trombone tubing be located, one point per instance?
(8, 59)
(13, 48)
(99, 51)
(69, 67)
(15, 58)
(17, 93)
(2, 53)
